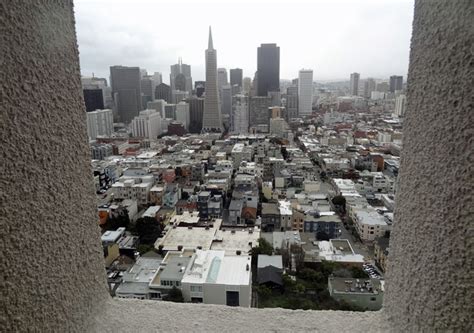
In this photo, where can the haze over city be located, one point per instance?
(331, 37)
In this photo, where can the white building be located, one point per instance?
(240, 114)
(400, 105)
(305, 92)
(158, 105)
(182, 114)
(369, 224)
(213, 278)
(100, 123)
(147, 124)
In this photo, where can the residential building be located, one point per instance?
(270, 270)
(400, 105)
(100, 123)
(361, 293)
(381, 250)
(147, 125)
(213, 278)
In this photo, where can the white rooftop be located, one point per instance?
(151, 211)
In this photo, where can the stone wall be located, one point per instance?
(52, 267)
(429, 280)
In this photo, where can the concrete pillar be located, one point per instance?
(429, 279)
(52, 264)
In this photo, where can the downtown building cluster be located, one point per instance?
(192, 179)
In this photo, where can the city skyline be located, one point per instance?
(362, 39)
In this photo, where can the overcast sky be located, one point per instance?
(332, 37)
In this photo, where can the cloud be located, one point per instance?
(334, 38)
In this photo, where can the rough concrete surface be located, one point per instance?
(430, 273)
(156, 316)
(52, 267)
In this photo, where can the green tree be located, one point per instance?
(174, 295)
(358, 273)
(119, 220)
(148, 229)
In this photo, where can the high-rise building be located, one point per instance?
(178, 96)
(170, 111)
(148, 87)
(212, 118)
(291, 102)
(147, 125)
(196, 110)
(163, 91)
(226, 104)
(369, 86)
(354, 85)
(93, 83)
(158, 105)
(158, 78)
(221, 78)
(240, 114)
(259, 116)
(93, 99)
(396, 83)
(400, 105)
(236, 76)
(182, 114)
(126, 91)
(305, 92)
(268, 68)
(200, 88)
(183, 82)
(382, 87)
(246, 85)
(100, 123)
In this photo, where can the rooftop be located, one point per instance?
(359, 286)
(266, 260)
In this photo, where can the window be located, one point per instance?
(196, 289)
(373, 299)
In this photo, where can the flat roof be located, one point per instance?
(234, 240)
(151, 211)
(188, 238)
(111, 236)
(266, 260)
(359, 286)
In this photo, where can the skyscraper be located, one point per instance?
(212, 118)
(240, 114)
(163, 91)
(185, 80)
(396, 83)
(100, 123)
(305, 92)
(236, 76)
(221, 78)
(369, 86)
(354, 86)
(268, 68)
(93, 99)
(196, 110)
(126, 91)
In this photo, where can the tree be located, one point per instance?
(148, 229)
(174, 295)
(263, 247)
(339, 200)
(322, 236)
(358, 273)
(119, 220)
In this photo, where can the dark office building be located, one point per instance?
(196, 109)
(200, 88)
(268, 68)
(396, 83)
(163, 91)
(93, 99)
(236, 75)
(147, 88)
(126, 91)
